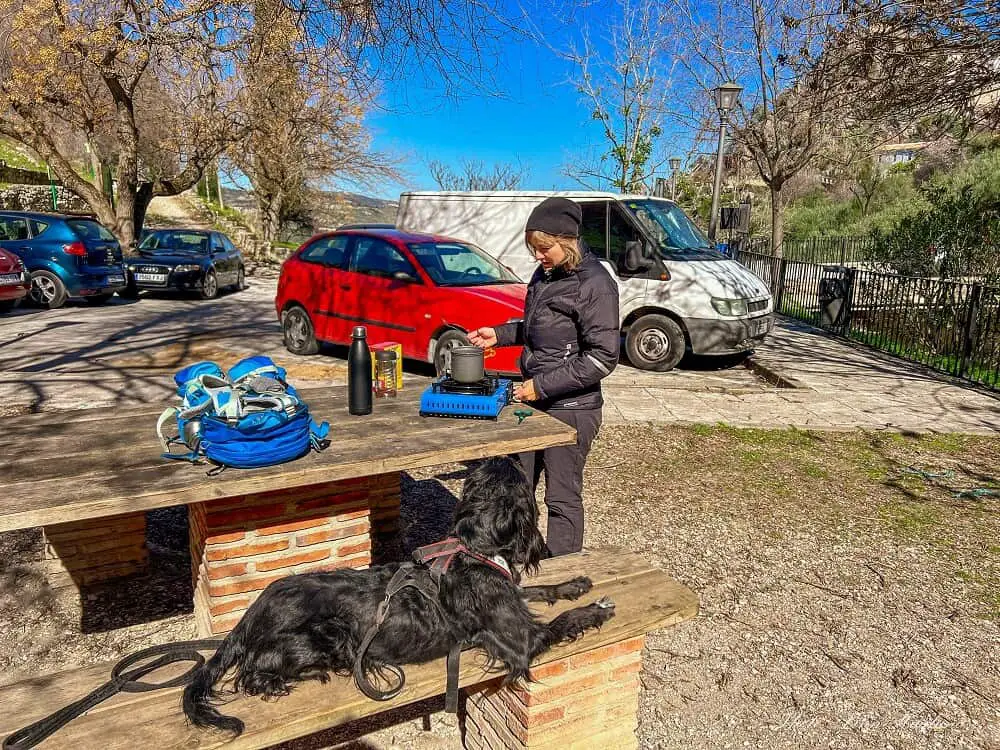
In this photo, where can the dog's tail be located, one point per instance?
(200, 693)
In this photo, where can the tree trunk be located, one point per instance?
(269, 209)
(777, 220)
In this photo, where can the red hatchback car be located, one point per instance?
(14, 282)
(421, 291)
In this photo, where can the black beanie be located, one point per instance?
(559, 216)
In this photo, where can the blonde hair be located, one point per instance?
(544, 240)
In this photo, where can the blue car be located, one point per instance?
(66, 256)
(197, 260)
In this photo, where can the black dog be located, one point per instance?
(306, 626)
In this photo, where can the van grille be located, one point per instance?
(757, 306)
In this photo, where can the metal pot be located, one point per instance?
(467, 364)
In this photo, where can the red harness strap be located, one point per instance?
(438, 557)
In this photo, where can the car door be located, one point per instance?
(221, 260)
(234, 254)
(382, 291)
(323, 264)
(15, 238)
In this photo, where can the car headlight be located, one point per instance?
(131, 267)
(186, 268)
(736, 308)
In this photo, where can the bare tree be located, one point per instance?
(624, 77)
(305, 113)
(794, 96)
(474, 175)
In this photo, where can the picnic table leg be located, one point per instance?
(81, 553)
(241, 544)
(590, 700)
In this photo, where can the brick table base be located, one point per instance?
(590, 701)
(82, 553)
(241, 544)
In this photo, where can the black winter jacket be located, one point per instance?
(570, 334)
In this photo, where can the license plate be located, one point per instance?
(153, 277)
(760, 327)
(116, 279)
(10, 278)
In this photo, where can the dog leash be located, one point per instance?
(432, 562)
(123, 680)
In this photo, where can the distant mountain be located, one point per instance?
(330, 209)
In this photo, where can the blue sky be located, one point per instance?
(535, 118)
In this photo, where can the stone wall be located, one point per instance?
(39, 198)
(17, 176)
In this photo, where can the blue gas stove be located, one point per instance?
(484, 399)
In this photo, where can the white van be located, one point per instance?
(675, 292)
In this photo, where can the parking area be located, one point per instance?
(125, 351)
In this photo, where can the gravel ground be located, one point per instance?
(849, 598)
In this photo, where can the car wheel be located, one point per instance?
(442, 352)
(298, 332)
(241, 280)
(654, 342)
(8, 304)
(209, 285)
(98, 299)
(129, 292)
(47, 290)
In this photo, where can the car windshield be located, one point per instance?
(458, 264)
(88, 229)
(674, 232)
(189, 242)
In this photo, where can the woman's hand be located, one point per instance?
(525, 391)
(484, 338)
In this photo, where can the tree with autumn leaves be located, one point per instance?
(159, 89)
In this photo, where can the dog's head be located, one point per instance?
(497, 514)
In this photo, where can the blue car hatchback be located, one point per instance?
(65, 255)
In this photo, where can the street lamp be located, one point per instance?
(726, 97)
(675, 164)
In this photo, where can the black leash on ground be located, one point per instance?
(125, 678)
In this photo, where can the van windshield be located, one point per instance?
(674, 232)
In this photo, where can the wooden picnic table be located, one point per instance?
(87, 477)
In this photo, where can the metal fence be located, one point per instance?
(950, 326)
(819, 249)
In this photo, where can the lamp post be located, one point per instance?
(675, 164)
(726, 97)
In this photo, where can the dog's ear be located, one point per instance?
(497, 514)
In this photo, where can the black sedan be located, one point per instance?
(185, 260)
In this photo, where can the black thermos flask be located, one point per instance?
(359, 374)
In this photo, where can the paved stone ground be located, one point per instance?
(125, 352)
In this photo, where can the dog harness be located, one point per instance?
(430, 564)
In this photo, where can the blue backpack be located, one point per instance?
(244, 418)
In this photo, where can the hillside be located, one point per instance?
(331, 210)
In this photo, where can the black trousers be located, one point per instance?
(563, 467)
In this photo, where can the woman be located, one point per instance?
(571, 341)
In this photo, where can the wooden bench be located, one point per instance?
(586, 693)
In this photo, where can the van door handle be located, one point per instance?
(345, 287)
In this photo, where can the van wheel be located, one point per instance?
(48, 290)
(298, 332)
(654, 342)
(442, 352)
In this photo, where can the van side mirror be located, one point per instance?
(404, 276)
(637, 257)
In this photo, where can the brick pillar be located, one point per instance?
(81, 553)
(241, 544)
(587, 701)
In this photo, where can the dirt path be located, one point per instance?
(176, 210)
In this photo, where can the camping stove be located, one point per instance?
(484, 399)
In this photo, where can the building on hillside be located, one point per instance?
(888, 155)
